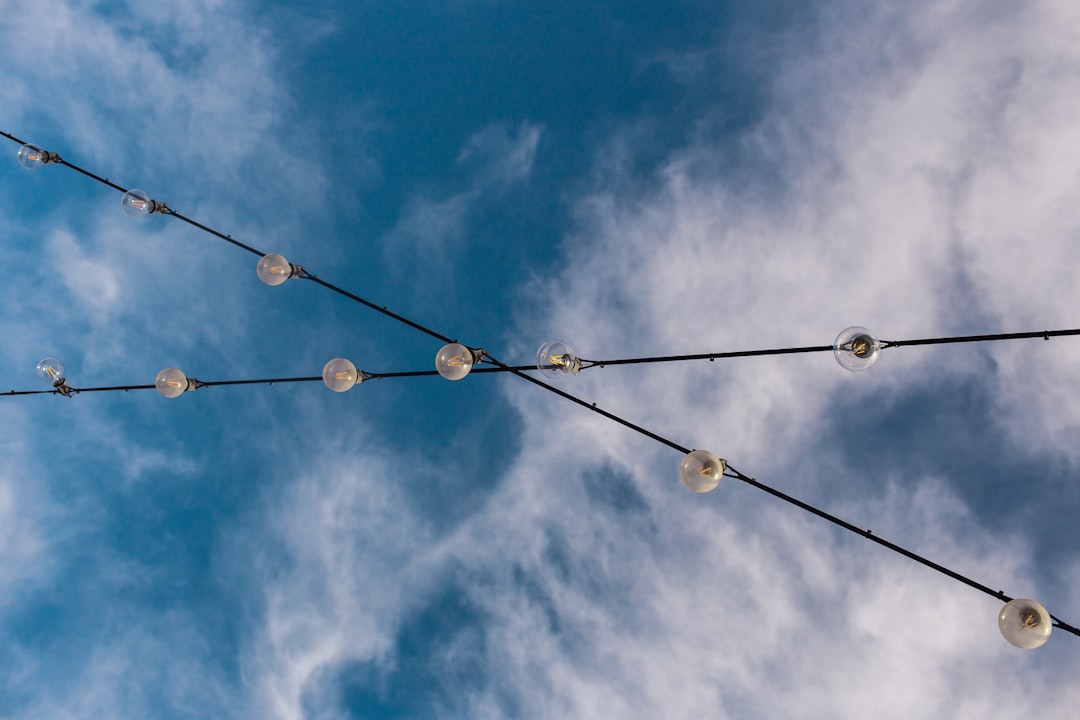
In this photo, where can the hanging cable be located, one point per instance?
(855, 348)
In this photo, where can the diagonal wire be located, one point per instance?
(594, 408)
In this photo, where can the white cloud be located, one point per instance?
(434, 226)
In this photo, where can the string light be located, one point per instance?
(340, 375)
(1024, 623)
(856, 349)
(32, 157)
(274, 269)
(555, 359)
(137, 204)
(701, 471)
(454, 360)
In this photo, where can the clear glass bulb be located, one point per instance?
(171, 383)
(1025, 623)
(273, 269)
(701, 471)
(340, 375)
(137, 203)
(31, 157)
(51, 371)
(555, 358)
(856, 349)
(454, 361)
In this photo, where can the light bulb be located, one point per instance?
(1025, 623)
(273, 269)
(701, 471)
(51, 371)
(856, 349)
(454, 361)
(31, 157)
(137, 203)
(171, 383)
(340, 375)
(555, 358)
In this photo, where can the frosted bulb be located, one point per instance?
(273, 269)
(701, 471)
(1025, 623)
(340, 375)
(137, 203)
(454, 361)
(51, 371)
(555, 358)
(856, 349)
(31, 157)
(171, 383)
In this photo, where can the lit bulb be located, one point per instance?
(555, 359)
(137, 203)
(171, 383)
(1025, 623)
(51, 371)
(273, 269)
(340, 375)
(454, 361)
(31, 157)
(701, 471)
(856, 349)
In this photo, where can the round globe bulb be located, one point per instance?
(51, 371)
(31, 157)
(701, 471)
(137, 203)
(555, 358)
(273, 269)
(340, 375)
(171, 383)
(454, 361)
(856, 349)
(1025, 623)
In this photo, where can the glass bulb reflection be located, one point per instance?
(701, 471)
(273, 269)
(454, 361)
(555, 358)
(171, 383)
(31, 157)
(340, 375)
(51, 371)
(137, 203)
(856, 349)
(1025, 623)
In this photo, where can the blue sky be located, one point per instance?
(636, 180)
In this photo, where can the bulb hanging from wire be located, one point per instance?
(32, 157)
(1025, 623)
(171, 383)
(856, 349)
(340, 375)
(137, 203)
(274, 269)
(701, 471)
(454, 361)
(555, 358)
(51, 371)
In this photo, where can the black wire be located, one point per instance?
(868, 534)
(378, 308)
(501, 367)
(215, 233)
(708, 356)
(1045, 334)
